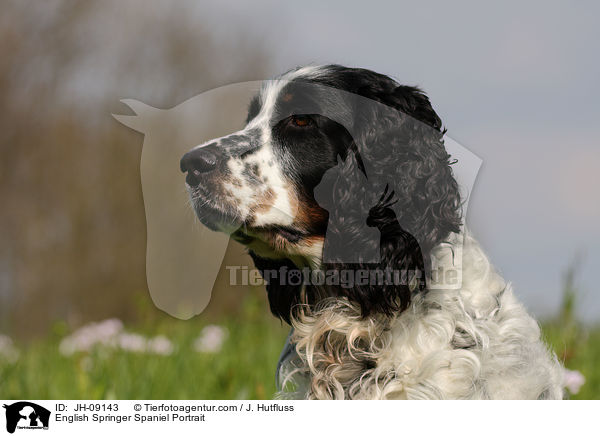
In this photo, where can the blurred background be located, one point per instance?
(515, 83)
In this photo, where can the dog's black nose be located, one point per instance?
(198, 162)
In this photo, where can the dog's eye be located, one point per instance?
(301, 120)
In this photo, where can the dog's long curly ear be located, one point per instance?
(410, 100)
(415, 103)
(403, 142)
(283, 296)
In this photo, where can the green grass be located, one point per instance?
(580, 352)
(577, 346)
(244, 368)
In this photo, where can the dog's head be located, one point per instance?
(258, 184)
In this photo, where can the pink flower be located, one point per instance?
(110, 333)
(573, 380)
(86, 337)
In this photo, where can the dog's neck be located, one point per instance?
(335, 335)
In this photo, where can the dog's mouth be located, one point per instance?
(214, 214)
(272, 241)
(217, 216)
(248, 234)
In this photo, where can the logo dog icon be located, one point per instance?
(26, 415)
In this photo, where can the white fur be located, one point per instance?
(477, 342)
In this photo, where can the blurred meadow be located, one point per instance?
(159, 357)
(76, 318)
(72, 225)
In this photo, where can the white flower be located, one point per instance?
(211, 339)
(132, 342)
(109, 333)
(86, 337)
(8, 351)
(573, 380)
(160, 345)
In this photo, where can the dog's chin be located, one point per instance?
(275, 237)
(281, 242)
(271, 241)
(216, 219)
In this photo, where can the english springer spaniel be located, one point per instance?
(342, 189)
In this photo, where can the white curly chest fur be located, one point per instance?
(477, 342)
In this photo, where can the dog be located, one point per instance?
(342, 172)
